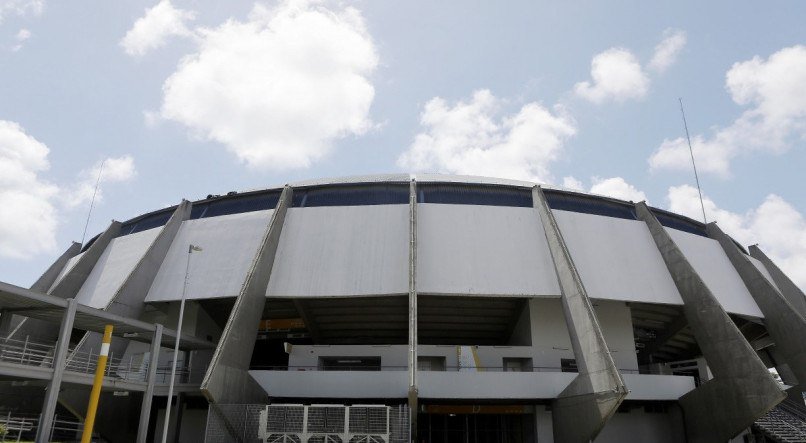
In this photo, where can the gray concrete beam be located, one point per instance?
(413, 400)
(742, 389)
(72, 281)
(52, 393)
(128, 300)
(787, 287)
(583, 408)
(227, 379)
(783, 321)
(46, 280)
(67, 287)
(43, 284)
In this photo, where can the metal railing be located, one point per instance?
(433, 369)
(18, 427)
(30, 353)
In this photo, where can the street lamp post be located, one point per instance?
(191, 248)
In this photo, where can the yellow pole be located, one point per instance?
(95, 394)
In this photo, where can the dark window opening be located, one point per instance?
(147, 222)
(568, 365)
(430, 363)
(235, 205)
(463, 194)
(352, 195)
(516, 364)
(349, 363)
(679, 223)
(564, 201)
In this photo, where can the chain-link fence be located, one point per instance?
(307, 424)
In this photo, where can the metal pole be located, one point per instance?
(191, 248)
(145, 409)
(95, 394)
(691, 151)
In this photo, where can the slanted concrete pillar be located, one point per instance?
(52, 394)
(227, 379)
(67, 287)
(784, 323)
(70, 284)
(742, 389)
(582, 409)
(46, 280)
(412, 392)
(151, 378)
(787, 287)
(129, 299)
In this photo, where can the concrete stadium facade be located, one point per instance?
(486, 309)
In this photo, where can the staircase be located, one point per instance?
(786, 423)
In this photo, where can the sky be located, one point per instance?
(166, 100)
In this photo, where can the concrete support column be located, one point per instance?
(742, 389)
(52, 394)
(227, 379)
(582, 409)
(785, 325)
(787, 287)
(46, 280)
(151, 378)
(179, 407)
(412, 392)
(69, 285)
(128, 300)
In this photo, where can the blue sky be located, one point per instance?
(188, 98)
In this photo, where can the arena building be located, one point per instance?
(400, 308)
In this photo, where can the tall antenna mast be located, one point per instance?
(92, 202)
(691, 151)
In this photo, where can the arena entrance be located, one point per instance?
(476, 424)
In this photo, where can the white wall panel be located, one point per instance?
(617, 258)
(114, 266)
(714, 267)
(342, 251)
(763, 270)
(67, 267)
(484, 250)
(229, 244)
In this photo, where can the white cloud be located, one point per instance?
(778, 228)
(616, 75)
(573, 184)
(473, 138)
(21, 37)
(278, 89)
(27, 216)
(617, 187)
(115, 170)
(667, 50)
(20, 8)
(775, 91)
(152, 30)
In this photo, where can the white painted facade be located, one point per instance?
(114, 266)
(228, 243)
